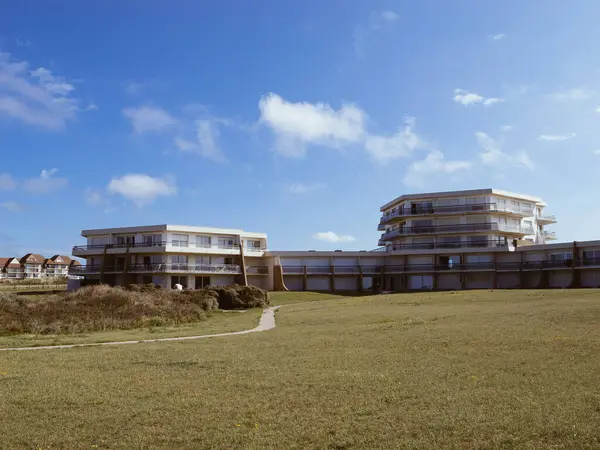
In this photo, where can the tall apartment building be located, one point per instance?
(167, 255)
(473, 219)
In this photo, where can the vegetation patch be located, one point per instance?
(101, 308)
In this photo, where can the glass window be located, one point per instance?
(179, 279)
(152, 239)
(203, 241)
(225, 242)
(180, 240)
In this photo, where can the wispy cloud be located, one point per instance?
(493, 155)
(507, 127)
(149, 118)
(330, 236)
(467, 98)
(206, 143)
(12, 206)
(596, 152)
(556, 137)
(304, 188)
(434, 163)
(497, 37)
(569, 95)
(377, 21)
(7, 182)
(46, 183)
(36, 97)
(142, 189)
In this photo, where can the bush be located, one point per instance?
(101, 307)
(240, 297)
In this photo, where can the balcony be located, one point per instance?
(453, 209)
(458, 228)
(160, 246)
(158, 268)
(550, 235)
(546, 219)
(449, 245)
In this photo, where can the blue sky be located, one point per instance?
(298, 119)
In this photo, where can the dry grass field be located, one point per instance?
(475, 369)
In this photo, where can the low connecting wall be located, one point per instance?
(551, 278)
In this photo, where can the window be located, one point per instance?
(227, 261)
(124, 240)
(202, 282)
(180, 240)
(98, 241)
(225, 242)
(253, 244)
(591, 257)
(563, 256)
(203, 241)
(450, 242)
(179, 279)
(477, 241)
(179, 262)
(152, 240)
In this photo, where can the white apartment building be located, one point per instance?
(473, 239)
(473, 219)
(166, 255)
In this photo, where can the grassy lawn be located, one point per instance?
(216, 322)
(476, 369)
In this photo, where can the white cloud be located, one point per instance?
(576, 94)
(298, 124)
(12, 206)
(507, 127)
(492, 154)
(330, 236)
(383, 149)
(96, 197)
(304, 188)
(497, 37)
(7, 182)
(133, 88)
(597, 109)
(207, 135)
(35, 97)
(149, 118)
(556, 137)
(377, 21)
(142, 189)
(46, 183)
(468, 98)
(433, 165)
(596, 152)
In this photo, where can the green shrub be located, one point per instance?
(240, 297)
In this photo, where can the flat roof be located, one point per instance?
(167, 227)
(469, 192)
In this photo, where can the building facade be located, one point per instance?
(476, 239)
(169, 255)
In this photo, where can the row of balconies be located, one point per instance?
(164, 244)
(169, 268)
(458, 228)
(439, 245)
(402, 268)
(461, 209)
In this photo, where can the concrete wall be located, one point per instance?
(531, 279)
(258, 281)
(559, 278)
(450, 281)
(293, 282)
(318, 283)
(508, 280)
(479, 280)
(349, 283)
(590, 278)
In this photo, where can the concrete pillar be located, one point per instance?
(304, 280)
(494, 273)
(332, 278)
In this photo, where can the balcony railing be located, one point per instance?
(179, 244)
(453, 209)
(549, 235)
(547, 218)
(458, 228)
(159, 268)
(449, 245)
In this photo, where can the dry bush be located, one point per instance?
(96, 308)
(240, 297)
(102, 307)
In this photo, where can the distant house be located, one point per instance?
(33, 265)
(11, 269)
(58, 266)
